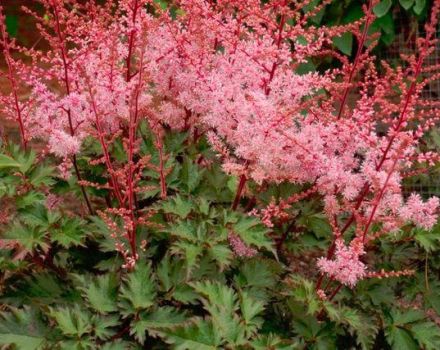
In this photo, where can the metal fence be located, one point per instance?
(407, 30)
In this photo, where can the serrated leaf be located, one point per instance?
(42, 175)
(100, 292)
(30, 198)
(184, 230)
(250, 309)
(152, 323)
(72, 321)
(428, 240)
(190, 175)
(199, 335)
(119, 345)
(179, 206)
(190, 252)
(104, 327)
(427, 334)
(42, 287)
(138, 290)
(222, 304)
(27, 237)
(252, 232)
(221, 254)
(8, 162)
(400, 339)
(22, 328)
(358, 323)
(273, 342)
(71, 233)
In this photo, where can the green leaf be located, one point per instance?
(100, 292)
(387, 27)
(271, 341)
(406, 4)
(178, 206)
(104, 326)
(252, 232)
(382, 8)
(199, 335)
(303, 291)
(250, 309)
(358, 323)
(27, 237)
(428, 240)
(401, 339)
(162, 3)
(222, 303)
(71, 233)
(221, 254)
(256, 273)
(138, 290)
(30, 198)
(8, 162)
(23, 328)
(12, 25)
(40, 287)
(161, 319)
(419, 6)
(190, 175)
(427, 334)
(191, 253)
(344, 43)
(72, 321)
(119, 345)
(42, 175)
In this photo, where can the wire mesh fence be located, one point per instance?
(407, 30)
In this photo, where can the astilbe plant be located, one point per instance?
(117, 78)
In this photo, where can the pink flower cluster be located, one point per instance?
(231, 71)
(239, 247)
(423, 214)
(346, 266)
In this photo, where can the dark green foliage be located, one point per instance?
(64, 287)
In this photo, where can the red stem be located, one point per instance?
(11, 78)
(108, 163)
(69, 113)
(357, 58)
(163, 184)
(132, 131)
(239, 192)
(338, 288)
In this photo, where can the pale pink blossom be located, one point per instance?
(422, 214)
(63, 144)
(346, 267)
(239, 247)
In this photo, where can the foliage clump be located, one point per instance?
(207, 175)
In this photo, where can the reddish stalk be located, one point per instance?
(69, 113)
(400, 123)
(357, 58)
(12, 80)
(239, 192)
(337, 289)
(114, 181)
(398, 127)
(132, 131)
(279, 40)
(163, 185)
